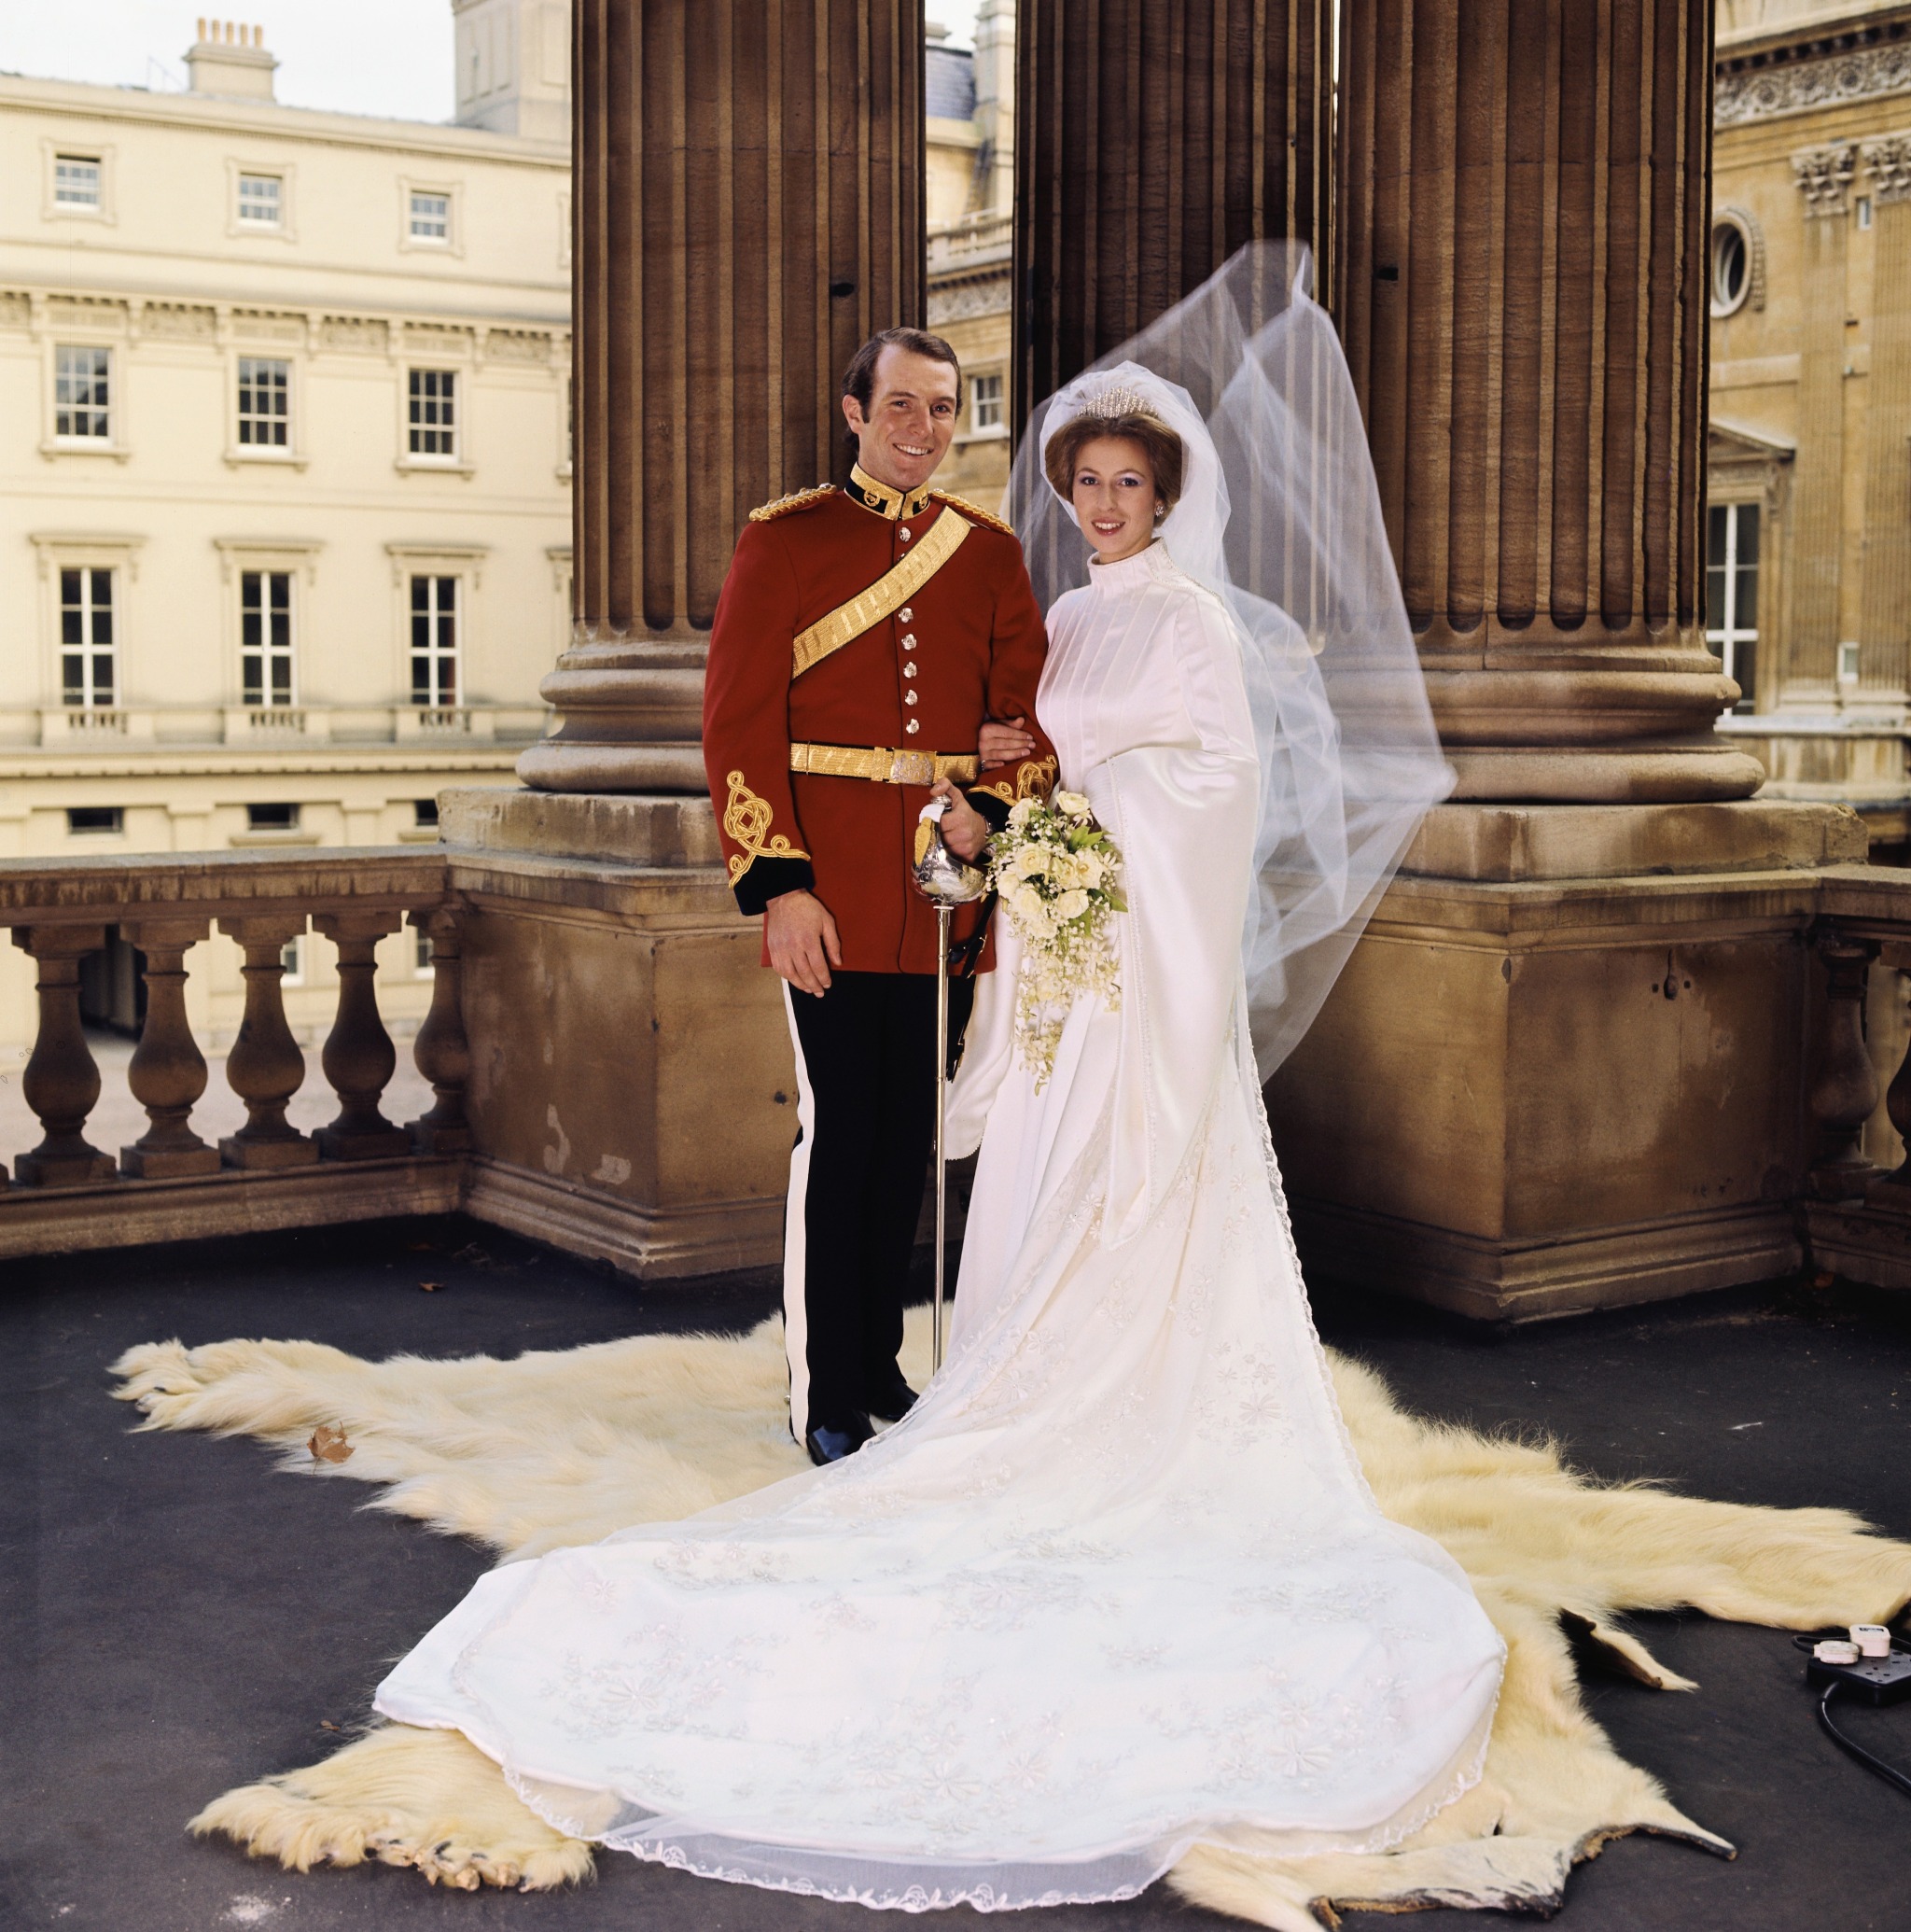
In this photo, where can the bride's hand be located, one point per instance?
(1003, 744)
(964, 831)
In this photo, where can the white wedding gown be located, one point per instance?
(1117, 1584)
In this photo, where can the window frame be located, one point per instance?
(100, 152)
(59, 551)
(465, 563)
(451, 243)
(90, 650)
(286, 175)
(242, 556)
(434, 583)
(268, 651)
(460, 463)
(1752, 293)
(292, 450)
(108, 411)
(1724, 635)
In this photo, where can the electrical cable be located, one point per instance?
(1889, 1772)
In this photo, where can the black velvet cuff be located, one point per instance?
(995, 809)
(770, 879)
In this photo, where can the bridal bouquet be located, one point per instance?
(1059, 877)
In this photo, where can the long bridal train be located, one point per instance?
(557, 1450)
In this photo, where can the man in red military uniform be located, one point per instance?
(863, 637)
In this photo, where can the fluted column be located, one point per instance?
(1810, 671)
(1154, 138)
(1520, 246)
(747, 207)
(1884, 626)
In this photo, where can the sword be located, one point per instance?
(946, 882)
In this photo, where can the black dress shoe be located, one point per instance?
(891, 1400)
(827, 1444)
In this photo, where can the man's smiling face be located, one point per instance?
(910, 421)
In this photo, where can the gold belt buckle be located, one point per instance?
(911, 768)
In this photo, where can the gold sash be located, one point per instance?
(884, 596)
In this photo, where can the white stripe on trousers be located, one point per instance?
(796, 1321)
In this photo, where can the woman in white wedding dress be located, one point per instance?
(1116, 1585)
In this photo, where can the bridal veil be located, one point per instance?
(1280, 515)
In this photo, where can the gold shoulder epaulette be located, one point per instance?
(797, 500)
(974, 512)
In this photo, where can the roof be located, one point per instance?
(949, 83)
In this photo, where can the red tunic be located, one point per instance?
(968, 645)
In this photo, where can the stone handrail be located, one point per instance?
(58, 912)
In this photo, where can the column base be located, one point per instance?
(1597, 774)
(1565, 1068)
(630, 718)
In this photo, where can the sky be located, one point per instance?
(386, 57)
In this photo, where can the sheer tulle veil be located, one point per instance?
(1280, 516)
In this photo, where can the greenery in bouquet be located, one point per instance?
(1059, 877)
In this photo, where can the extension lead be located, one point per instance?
(1858, 1668)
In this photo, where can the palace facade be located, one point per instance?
(285, 465)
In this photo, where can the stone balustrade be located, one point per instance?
(1858, 1211)
(66, 1193)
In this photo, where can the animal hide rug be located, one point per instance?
(558, 1449)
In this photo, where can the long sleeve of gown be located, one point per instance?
(1184, 816)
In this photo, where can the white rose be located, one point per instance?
(1029, 906)
(1031, 862)
(1070, 803)
(1021, 811)
(1071, 906)
(1089, 868)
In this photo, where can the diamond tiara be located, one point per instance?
(1115, 402)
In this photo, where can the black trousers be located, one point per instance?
(866, 1111)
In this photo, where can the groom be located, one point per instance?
(864, 635)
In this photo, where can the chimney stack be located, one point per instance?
(230, 59)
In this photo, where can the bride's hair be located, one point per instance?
(1163, 446)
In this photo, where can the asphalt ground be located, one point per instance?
(176, 1618)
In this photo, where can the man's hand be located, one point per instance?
(802, 937)
(964, 831)
(1003, 744)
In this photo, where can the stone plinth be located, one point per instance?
(1565, 1068)
(631, 1092)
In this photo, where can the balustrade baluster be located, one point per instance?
(168, 1072)
(359, 1058)
(441, 1050)
(1896, 954)
(1843, 1091)
(265, 1068)
(62, 1080)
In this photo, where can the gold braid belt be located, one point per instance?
(883, 767)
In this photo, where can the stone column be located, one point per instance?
(1520, 286)
(1817, 489)
(1153, 139)
(747, 207)
(1884, 624)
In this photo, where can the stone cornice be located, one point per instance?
(1816, 70)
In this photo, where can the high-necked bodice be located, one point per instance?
(1142, 655)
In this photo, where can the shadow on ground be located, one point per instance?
(179, 1619)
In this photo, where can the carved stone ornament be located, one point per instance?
(1824, 177)
(1888, 161)
(1798, 86)
(962, 302)
(188, 321)
(366, 334)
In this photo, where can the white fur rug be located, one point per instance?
(551, 1449)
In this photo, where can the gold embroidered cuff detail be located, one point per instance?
(1036, 779)
(1003, 790)
(745, 818)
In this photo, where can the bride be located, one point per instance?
(1116, 1585)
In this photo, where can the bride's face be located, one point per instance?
(1114, 496)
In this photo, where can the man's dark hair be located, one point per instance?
(859, 378)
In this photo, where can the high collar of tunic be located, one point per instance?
(886, 501)
(1146, 567)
